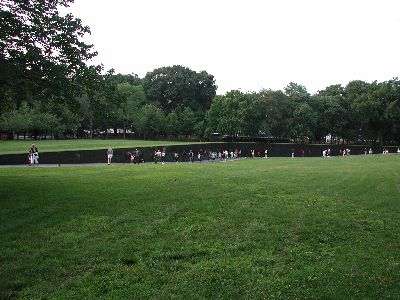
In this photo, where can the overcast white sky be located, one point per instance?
(251, 44)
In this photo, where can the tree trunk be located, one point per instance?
(380, 137)
(91, 128)
(124, 130)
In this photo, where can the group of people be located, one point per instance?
(366, 152)
(264, 153)
(223, 155)
(135, 156)
(302, 153)
(33, 156)
(345, 152)
(326, 153)
(386, 151)
(159, 156)
(192, 156)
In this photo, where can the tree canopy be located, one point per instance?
(178, 86)
(42, 54)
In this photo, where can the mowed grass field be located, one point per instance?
(23, 146)
(255, 228)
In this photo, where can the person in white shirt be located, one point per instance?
(109, 155)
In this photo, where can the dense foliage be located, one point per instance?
(42, 57)
(177, 86)
(360, 111)
(48, 89)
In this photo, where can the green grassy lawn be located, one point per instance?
(21, 146)
(262, 228)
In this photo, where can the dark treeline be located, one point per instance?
(47, 89)
(358, 112)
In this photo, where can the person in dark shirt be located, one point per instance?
(191, 156)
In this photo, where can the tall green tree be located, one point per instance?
(379, 109)
(332, 116)
(41, 51)
(187, 121)
(355, 91)
(303, 116)
(275, 113)
(45, 123)
(150, 121)
(297, 92)
(129, 98)
(17, 120)
(235, 113)
(177, 86)
(304, 121)
(173, 124)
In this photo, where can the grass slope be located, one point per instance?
(263, 228)
(21, 146)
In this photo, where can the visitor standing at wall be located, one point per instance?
(110, 154)
(191, 156)
(33, 155)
